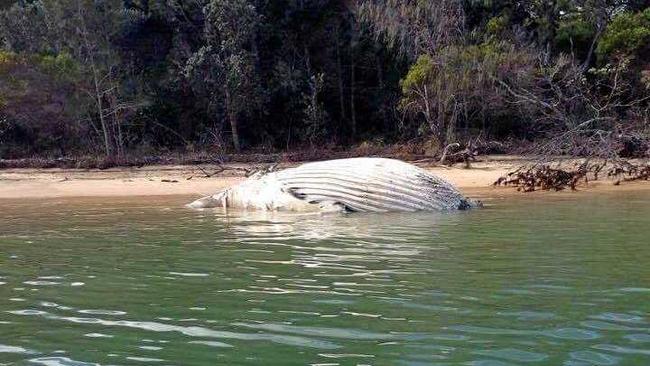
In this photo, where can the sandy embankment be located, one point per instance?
(191, 181)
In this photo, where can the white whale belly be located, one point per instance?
(357, 184)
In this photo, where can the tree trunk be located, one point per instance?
(380, 73)
(100, 108)
(551, 13)
(96, 83)
(354, 40)
(289, 134)
(100, 111)
(339, 70)
(592, 48)
(232, 118)
(235, 132)
(353, 114)
(120, 136)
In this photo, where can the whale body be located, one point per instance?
(353, 185)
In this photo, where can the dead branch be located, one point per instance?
(543, 177)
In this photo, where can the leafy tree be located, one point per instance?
(461, 85)
(85, 30)
(414, 27)
(225, 64)
(627, 34)
(149, 75)
(48, 83)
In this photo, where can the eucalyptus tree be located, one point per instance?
(224, 66)
(85, 31)
(414, 27)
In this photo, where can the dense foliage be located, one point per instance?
(114, 77)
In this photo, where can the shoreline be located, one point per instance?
(191, 180)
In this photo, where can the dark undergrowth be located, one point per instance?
(418, 149)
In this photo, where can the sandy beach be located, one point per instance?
(190, 180)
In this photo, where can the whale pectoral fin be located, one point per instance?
(324, 205)
(294, 192)
(205, 202)
(331, 206)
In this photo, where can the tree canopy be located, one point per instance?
(115, 77)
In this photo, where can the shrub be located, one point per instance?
(627, 34)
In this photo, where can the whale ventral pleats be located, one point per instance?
(353, 185)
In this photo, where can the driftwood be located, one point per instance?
(628, 172)
(544, 177)
(466, 155)
(220, 167)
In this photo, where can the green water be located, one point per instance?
(535, 280)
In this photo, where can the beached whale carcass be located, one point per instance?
(357, 185)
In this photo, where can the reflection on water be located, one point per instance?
(564, 281)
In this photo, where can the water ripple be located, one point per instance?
(126, 281)
(192, 331)
(513, 354)
(14, 349)
(344, 333)
(60, 361)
